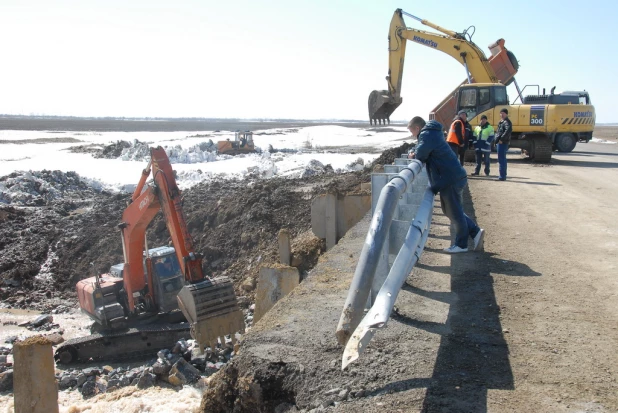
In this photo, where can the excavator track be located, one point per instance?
(123, 345)
(542, 149)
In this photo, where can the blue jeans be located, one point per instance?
(482, 157)
(502, 148)
(451, 200)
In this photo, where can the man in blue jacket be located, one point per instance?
(446, 177)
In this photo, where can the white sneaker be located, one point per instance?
(454, 249)
(478, 240)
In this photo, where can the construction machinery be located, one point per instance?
(242, 143)
(541, 124)
(138, 302)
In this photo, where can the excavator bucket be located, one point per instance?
(381, 105)
(211, 309)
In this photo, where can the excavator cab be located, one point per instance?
(167, 278)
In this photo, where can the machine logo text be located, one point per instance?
(426, 42)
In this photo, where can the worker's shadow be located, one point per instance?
(473, 355)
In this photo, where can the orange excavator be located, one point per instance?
(136, 303)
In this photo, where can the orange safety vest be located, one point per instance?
(452, 136)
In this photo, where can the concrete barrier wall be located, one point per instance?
(274, 283)
(332, 216)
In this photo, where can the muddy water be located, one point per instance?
(74, 323)
(125, 400)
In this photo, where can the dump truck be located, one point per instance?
(541, 123)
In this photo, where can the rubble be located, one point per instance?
(181, 365)
(6, 380)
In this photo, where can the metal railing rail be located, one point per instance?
(374, 252)
(406, 259)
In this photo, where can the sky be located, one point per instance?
(316, 59)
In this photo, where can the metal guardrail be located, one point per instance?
(402, 206)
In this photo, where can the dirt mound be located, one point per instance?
(389, 155)
(69, 231)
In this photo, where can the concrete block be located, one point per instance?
(274, 283)
(34, 381)
(332, 216)
(285, 250)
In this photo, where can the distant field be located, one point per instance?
(154, 125)
(609, 133)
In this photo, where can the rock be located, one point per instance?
(124, 381)
(161, 368)
(11, 339)
(42, 319)
(186, 370)
(176, 379)
(113, 384)
(6, 380)
(89, 389)
(80, 379)
(66, 381)
(135, 381)
(131, 375)
(248, 284)
(147, 380)
(101, 386)
(343, 394)
(107, 369)
(55, 338)
(2, 359)
(243, 302)
(180, 347)
(91, 371)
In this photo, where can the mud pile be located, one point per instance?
(60, 229)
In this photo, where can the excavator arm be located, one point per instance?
(208, 304)
(382, 103)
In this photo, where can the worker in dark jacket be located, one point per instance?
(459, 135)
(503, 139)
(446, 177)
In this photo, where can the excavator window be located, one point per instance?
(165, 268)
(484, 96)
(501, 97)
(467, 98)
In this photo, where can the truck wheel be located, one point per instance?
(542, 149)
(565, 142)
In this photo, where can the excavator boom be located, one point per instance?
(479, 69)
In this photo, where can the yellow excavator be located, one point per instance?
(541, 124)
